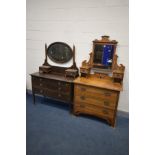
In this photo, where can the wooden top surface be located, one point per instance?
(53, 77)
(71, 70)
(106, 82)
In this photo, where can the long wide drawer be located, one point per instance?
(39, 82)
(111, 104)
(94, 110)
(52, 93)
(95, 93)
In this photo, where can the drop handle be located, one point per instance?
(107, 94)
(83, 89)
(106, 103)
(82, 106)
(105, 111)
(82, 97)
(59, 95)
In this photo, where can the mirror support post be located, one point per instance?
(45, 62)
(74, 64)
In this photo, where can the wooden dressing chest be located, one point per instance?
(97, 91)
(51, 81)
(55, 86)
(98, 97)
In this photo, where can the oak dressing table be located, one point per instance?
(97, 93)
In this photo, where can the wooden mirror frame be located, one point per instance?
(116, 70)
(47, 68)
(46, 55)
(65, 60)
(104, 41)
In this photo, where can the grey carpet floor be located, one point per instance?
(52, 130)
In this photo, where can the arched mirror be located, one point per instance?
(59, 52)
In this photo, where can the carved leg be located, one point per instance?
(76, 113)
(112, 122)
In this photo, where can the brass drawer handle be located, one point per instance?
(83, 89)
(106, 103)
(59, 88)
(105, 111)
(107, 94)
(40, 84)
(59, 95)
(40, 79)
(82, 106)
(82, 97)
(41, 91)
(59, 83)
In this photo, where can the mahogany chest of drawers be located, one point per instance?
(54, 86)
(97, 97)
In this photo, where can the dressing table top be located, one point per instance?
(105, 82)
(53, 77)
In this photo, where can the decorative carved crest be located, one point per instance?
(105, 39)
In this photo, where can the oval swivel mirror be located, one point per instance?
(59, 52)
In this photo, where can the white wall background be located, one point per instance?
(77, 22)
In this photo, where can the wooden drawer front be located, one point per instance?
(51, 84)
(51, 93)
(64, 87)
(45, 92)
(37, 81)
(42, 82)
(84, 70)
(98, 102)
(64, 97)
(95, 93)
(91, 109)
(118, 75)
(57, 85)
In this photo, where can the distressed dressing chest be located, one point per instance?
(97, 97)
(55, 86)
(52, 81)
(96, 91)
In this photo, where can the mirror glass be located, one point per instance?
(59, 52)
(103, 55)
